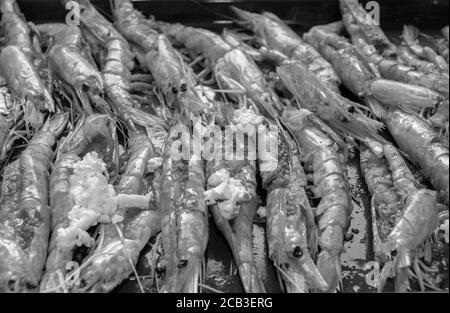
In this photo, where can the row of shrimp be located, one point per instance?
(396, 103)
(77, 217)
(307, 257)
(85, 75)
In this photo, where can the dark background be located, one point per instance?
(426, 14)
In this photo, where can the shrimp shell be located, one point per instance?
(23, 79)
(330, 184)
(25, 229)
(184, 220)
(421, 144)
(385, 203)
(279, 36)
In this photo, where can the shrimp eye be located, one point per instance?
(394, 253)
(174, 90)
(183, 87)
(84, 87)
(160, 269)
(298, 252)
(182, 263)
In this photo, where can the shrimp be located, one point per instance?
(10, 191)
(228, 67)
(320, 152)
(175, 79)
(10, 121)
(116, 67)
(278, 36)
(412, 60)
(237, 226)
(94, 24)
(91, 134)
(25, 227)
(414, 136)
(116, 72)
(389, 68)
(118, 253)
(386, 205)
(313, 94)
(66, 59)
(331, 107)
(415, 225)
(134, 26)
(420, 142)
(184, 216)
(229, 75)
(260, 55)
(410, 37)
(291, 229)
(14, 26)
(371, 31)
(197, 40)
(19, 67)
(442, 44)
(360, 77)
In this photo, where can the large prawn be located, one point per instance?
(291, 229)
(390, 68)
(19, 68)
(372, 32)
(91, 134)
(116, 73)
(320, 148)
(118, 250)
(227, 63)
(414, 226)
(25, 225)
(72, 64)
(184, 217)
(11, 121)
(413, 134)
(423, 54)
(360, 78)
(231, 193)
(117, 62)
(278, 36)
(340, 113)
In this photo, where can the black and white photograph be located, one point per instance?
(239, 150)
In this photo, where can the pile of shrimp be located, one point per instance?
(107, 128)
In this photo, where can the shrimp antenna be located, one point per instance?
(211, 11)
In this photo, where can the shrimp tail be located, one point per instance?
(329, 266)
(312, 274)
(384, 274)
(405, 96)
